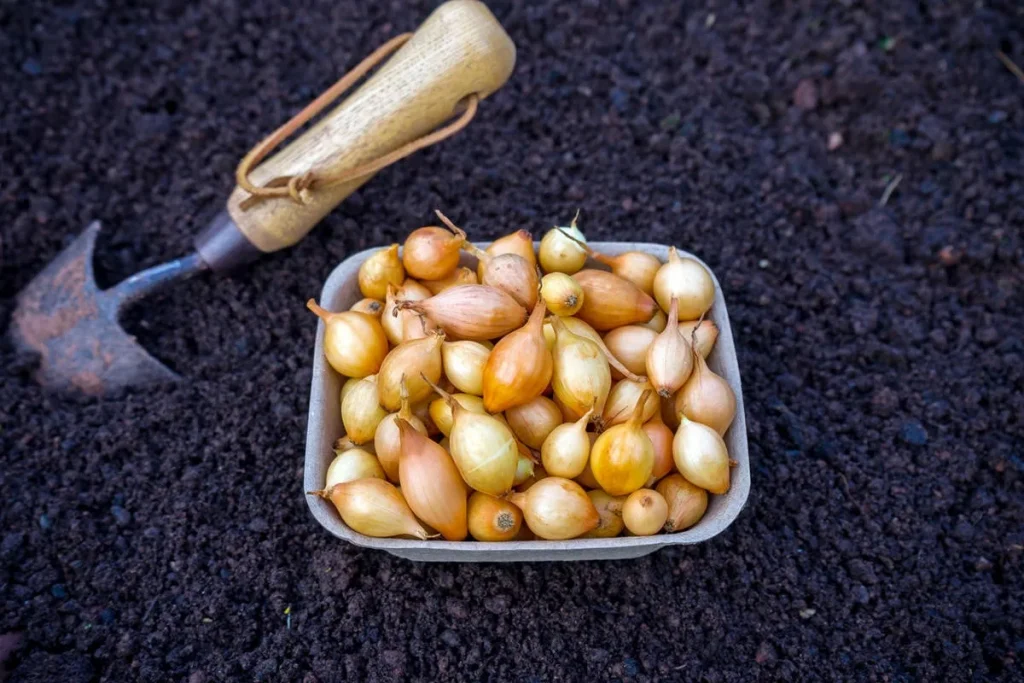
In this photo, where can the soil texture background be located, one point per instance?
(164, 535)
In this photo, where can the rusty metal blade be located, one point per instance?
(73, 325)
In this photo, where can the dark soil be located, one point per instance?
(164, 535)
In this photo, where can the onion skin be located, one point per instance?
(703, 342)
(533, 421)
(476, 312)
(686, 503)
(629, 344)
(373, 507)
(610, 301)
(519, 368)
(557, 509)
(493, 519)
(432, 253)
(701, 456)
(644, 512)
(459, 276)
(609, 508)
(431, 483)
(707, 398)
(409, 362)
(686, 280)
(354, 343)
(380, 270)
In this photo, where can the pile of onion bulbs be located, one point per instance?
(530, 397)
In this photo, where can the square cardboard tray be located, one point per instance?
(342, 290)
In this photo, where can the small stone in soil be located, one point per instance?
(914, 434)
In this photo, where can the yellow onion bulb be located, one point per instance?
(658, 322)
(581, 379)
(524, 467)
(387, 440)
(483, 447)
(441, 411)
(702, 335)
(354, 343)
(431, 483)
(349, 384)
(381, 269)
(586, 478)
(373, 507)
(531, 422)
(644, 512)
(686, 503)
(432, 253)
(561, 251)
(610, 301)
(459, 276)
(566, 450)
(476, 312)
(582, 329)
(609, 508)
(669, 357)
(629, 344)
(507, 271)
(493, 519)
(464, 363)
(393, 321)
(623, 456)
(549, 335)
(557, 509)
(701, 456)
(519, 367)
(352, 464)
(661, 438)
(635, 266)
(622, 399)
(686, 280)
(360, 411)
(707, 398)
(519, 243)
(410, 362)
(562, 294)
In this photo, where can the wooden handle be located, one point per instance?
(460, 49)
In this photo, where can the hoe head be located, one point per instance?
(73, 325)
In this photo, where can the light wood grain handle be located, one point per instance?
(459, 50)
